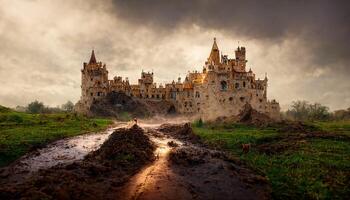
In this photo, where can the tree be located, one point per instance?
(299, 110)
(68, 106)
(35, 107)
(303, 110)
(318, 112)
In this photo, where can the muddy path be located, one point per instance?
(185, 169)
(181, 167)
(63, 151)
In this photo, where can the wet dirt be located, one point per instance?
(190, 171)
(97, 176)
(63, 151)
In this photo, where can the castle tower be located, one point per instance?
(214, 57)
(145, 83)
(240, 59)
(94, 80)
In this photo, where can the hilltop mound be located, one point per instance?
(117, 103)
(251, 116)
(4, 109)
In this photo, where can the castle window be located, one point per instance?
(231, 98)
(157, 96)
(152, 95)
(223, 85)
(260, 100)
(242, 99)
(244, 84)
(92, 94)
(236, 85)
(197, 94)
(91, 79)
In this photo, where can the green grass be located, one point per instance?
(22, 132)
(317, 169)
(334, 126)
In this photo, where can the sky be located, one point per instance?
(303, 46)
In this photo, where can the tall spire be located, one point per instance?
(214, 56)
(92, 58)
(215, 46)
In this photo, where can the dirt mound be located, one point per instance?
(159, 107)
(293, 140)
(188, 156)
(251, 116)
(294, 127)
(179, 131)
(118, 104)
(96, 177)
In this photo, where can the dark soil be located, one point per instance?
(292, 135)
(116, 103)
(251, 116)
(180, 131)
(96, 177)
(213, 175)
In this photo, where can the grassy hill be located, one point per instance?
(300, 164)
(22, 132)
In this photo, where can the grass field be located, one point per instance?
(314, 168)
(22, 132)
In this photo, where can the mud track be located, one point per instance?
(181, 167)
(187, 169)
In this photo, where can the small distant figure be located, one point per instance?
(246, 148)
(135, 121)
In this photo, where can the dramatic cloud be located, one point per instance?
(302, 45)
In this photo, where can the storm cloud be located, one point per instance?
(323, 25)
(302, 45)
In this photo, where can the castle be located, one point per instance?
(222, 88)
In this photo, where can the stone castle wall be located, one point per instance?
(222, 88)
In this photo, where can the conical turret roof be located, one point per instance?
(92, 58)
(214, 56)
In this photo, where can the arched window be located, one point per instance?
(236, 85)
(223, 85)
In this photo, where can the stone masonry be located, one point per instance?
(222, 88)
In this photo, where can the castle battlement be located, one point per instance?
(222, 88)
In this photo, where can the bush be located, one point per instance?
(36, 107)
(68, 107)
(14, 118)
(199, 123)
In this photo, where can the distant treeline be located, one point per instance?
(36, 107)
(305, 111)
